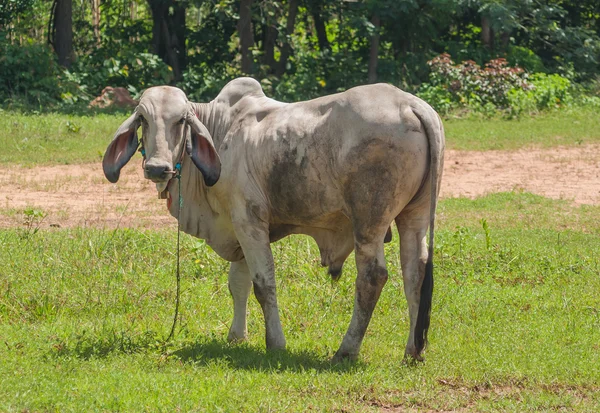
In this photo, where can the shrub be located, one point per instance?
(525, 58)
(546, 92)
(469, 85)
(29, 74)
(135, 71)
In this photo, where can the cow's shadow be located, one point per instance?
(201, 351)
(246, 356)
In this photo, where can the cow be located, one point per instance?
(339, 168)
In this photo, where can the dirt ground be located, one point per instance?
(79, 195)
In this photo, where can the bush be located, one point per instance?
(469, 85)
(546, 92)
(135, 71)
(525, 58)
(29, 74)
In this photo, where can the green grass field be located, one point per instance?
(31, 140)
(515, 321)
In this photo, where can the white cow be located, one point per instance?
(339, 168)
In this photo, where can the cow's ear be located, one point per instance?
(121, 149)
(201, 149)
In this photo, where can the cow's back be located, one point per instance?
(317, 159)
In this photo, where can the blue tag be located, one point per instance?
(178, 166)
(143, 152)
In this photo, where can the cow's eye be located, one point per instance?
(180, 121)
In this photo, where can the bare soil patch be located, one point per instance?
(571, 173)
(79, 195)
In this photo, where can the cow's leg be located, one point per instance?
(372, 276)
(240, 284)
(254, 240)
(412, 227)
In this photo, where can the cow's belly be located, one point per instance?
(334, 237)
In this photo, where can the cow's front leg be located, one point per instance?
(254, 240)
(240, 284)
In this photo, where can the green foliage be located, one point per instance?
(10, 9)
(525, 58)
(204, 82)
(542, 36)
(546, 92)
(29, 74)
(496, 87)
(132, 70)
(469, 85)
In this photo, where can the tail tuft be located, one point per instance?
(388, 236)
(335, 274)
(424, 315)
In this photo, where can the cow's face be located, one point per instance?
(169, 129)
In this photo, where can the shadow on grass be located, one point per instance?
(88, 345)
(246, 356)
(203, 351)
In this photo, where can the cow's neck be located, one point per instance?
(197, 215)
(202, 215)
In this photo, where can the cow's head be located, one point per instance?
(169, 127)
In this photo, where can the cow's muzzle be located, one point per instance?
(158, 172)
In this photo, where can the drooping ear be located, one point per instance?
(200, 147)
(121, 149)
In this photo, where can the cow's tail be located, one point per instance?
(435, 136)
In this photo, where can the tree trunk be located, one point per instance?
(374, 50)
(269, 46)
(316, 11)
(504, 40)
(487, 33)
(169, 34)
(289, 30)
(96, 19)
(63, 32)
(246, 35)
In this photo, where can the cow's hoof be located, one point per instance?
(234, 337)
(341, 356)
(413, 359)
(276, 344)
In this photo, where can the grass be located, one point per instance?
(516, 321)
(574, 126)
(46, 139)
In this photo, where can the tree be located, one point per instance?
(9, 10)
(289, 30)
(246, 35)
(374, 48)
(60, 33)
(169, 33)
(317, 11)
(96, 19)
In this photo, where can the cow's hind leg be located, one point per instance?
(240, 284)
(372, 276)
(412, 227)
